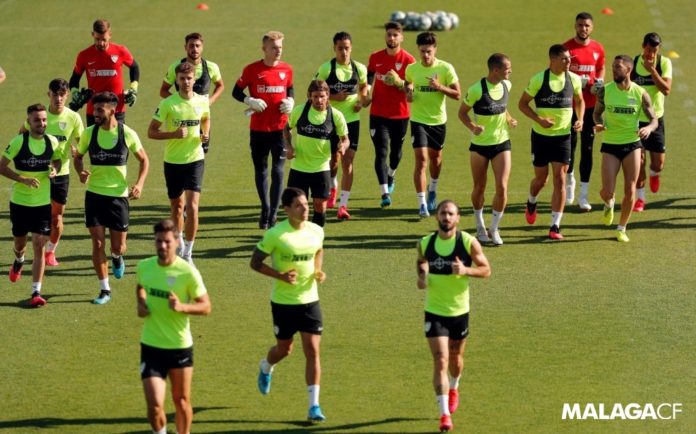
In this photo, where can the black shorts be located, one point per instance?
(550, 149)
(319, 183)
(620, 151)
(490, 152)
(289, 319)
(156, 362)
(34, 219)
(180, 177)
(353, 137)
(656, 141)
(263, 143)
(59, 189)
(454, 327)
(431, 136)
(383, 128)
(108, 211)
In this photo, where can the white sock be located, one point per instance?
(584, 189)
(384, 188)
(497, 216)
(610, 203)
(162, 431)
(266, 367)
(443, 404)
(181, 241)
(454, 382)
(188, 248)
(421, 198)
(391, 172)
(478, 218)
(433, 184)
(313, 391)
(35, 287)
(640, 193)
(113, 256)
(653, 173)
(104, 284)
(334, 182)
(621, 228)
(531, 199)
(569, 177)
(343, 201)
(20, 259)
(556, 218)
(50, 247)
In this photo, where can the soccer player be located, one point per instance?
(183, 119)
(587, 61)
(270, 101)
(66, 126)
(556, 93)
(316, 122)
(653, 72)
(428, 82)
(103, 64)
(3, 76)
(207, 72)
(347, 80)
(295, 248)
(108, 143)
(168, 291)
(621, 103)
(490, 141)
(446, 260)
(36, 157)
(389, 111)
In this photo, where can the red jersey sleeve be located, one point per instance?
(126, 56)
(80, 63)
(243, 80)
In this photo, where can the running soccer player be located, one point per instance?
(556, 92)
(428, 82)
(316, 123)
(347, 80)
(66, 126)
(621, 102)
(36, 157)
(108, 143)
(653, 72)
(389, 112)
(207, 72)
(270, 101)
(446, 260)
(295, 247)
(183, 119)
(103, 62)
(490, 141)
(168, 291)
(587, 61)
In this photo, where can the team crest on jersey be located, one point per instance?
(282, 75)
(171, 280)
(398, 66)
(198, 111)
(114, 58)
(62, 125)
(595, 55)
(632, 101)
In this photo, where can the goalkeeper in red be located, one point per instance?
(103, 64)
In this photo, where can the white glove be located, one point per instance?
(286, 105)
(256, 104)
(598, 84)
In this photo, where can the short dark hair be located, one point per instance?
(497, 60)
(289, 195)
(38, 107)
(340, 36)
(166, 225)
(652, 39)
(195, 36)
(584, 16)
(101, 26)
(556, 50)
(105, 97)
(426, 38)
(446, 202)
(393, 25)
(317, 86)
(185, 67)
(58, 85)
(625, 58)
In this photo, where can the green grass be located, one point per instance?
(585, 320)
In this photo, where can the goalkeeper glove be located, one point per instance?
(598, 84)
(130, 97)
(256, 104)
(286, 105)
(80, 98)
(391, 78)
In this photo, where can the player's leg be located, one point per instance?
(456, 367)
(98, 236)
(38, 264)
(419, 139)
(630, 166)
(379, 133)
(181, 395)
(397, 135)
(346, 183)
(277, 174)
(558, 196)
(570, 174)
(319, 183)
(155, 389)
(610, 168)
(436, 142)
(479, 176)
(501, 164)
(439, 350)
(310, 347)
(192, 200)
(59, 197)
(117, 221)
(20, 230)
(540, 163)
(260, 148)
(333, 168)
(586, 146)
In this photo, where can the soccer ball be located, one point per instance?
(399, 17)
(454, 19)
(425, 22)
(442, 22)
(412, 21)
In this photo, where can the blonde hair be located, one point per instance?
(272, 36)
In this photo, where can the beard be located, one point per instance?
(445, 226)
(619, 79)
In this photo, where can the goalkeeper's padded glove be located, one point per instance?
(286, 105)
(256, 104)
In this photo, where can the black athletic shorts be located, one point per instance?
(490, 152)
(319, 183)
(656, 141)
(34, 219)
(353, 137)
(431, 136)
(550, 149)
(620, 151)
(289, 319)
(108, 211)
(385, 130)
(262, 142)
(59, 189)
(156, 362)
(454, 327)
(180, 177)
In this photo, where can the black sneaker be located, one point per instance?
(272, 219)
(263, 220)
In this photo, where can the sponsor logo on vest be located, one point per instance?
(35, 162)
(640, 80)
(102, 72)
(622, 110)
(312, 129)
(439, 263)
(426, 89)
(555, 99)
(631, 411)
(340, 87)
(494, 107)
(159, 293)
(103, 155)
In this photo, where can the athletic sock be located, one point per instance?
(454, 382)
(610, 203)
(497, 216)
(443, 404)
(188, 248)
(621, 228)
(266, 367)
(653, 173)
(50, 247)
(384, 188)
(584, 189)
(556, 218)
(104, 284)
(313, 391)
(531, 199)
(478, 218)
(433, 184)
(334, 182)
(640, 193)
(421, 198)
(35, 287)
(343, 201)
(162, 431)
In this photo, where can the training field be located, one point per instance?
(585, 320)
